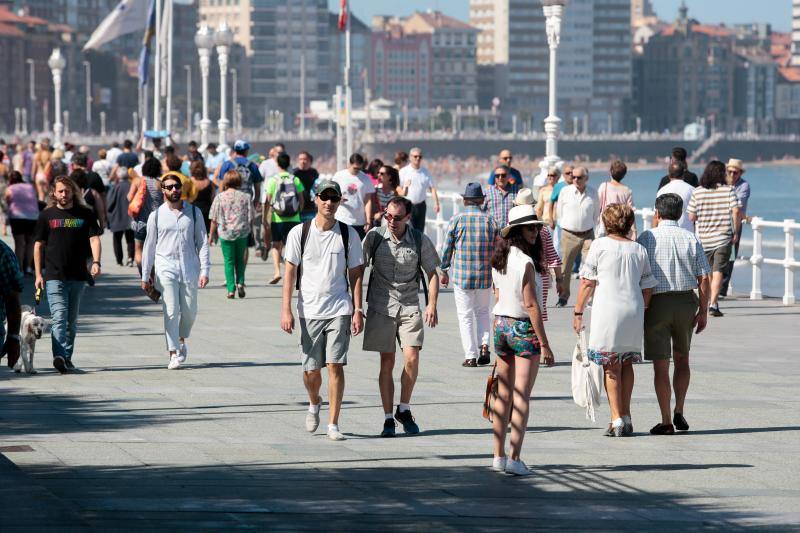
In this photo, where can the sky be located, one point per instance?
(776, 12)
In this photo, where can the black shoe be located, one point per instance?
(240, 290)
(60, 364)
(484, 358)
(714, 311)
(680, 423)
(470, 363)
(388, 428)
(663, 429)
(562, 302)
(68, 362)
(405, 418)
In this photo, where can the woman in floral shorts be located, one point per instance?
(519, 335)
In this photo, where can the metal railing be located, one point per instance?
(438, 226)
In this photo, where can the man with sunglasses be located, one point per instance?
(324, 264)
(399, 255)
(500, 197)
(514, 176)
(177, 246)
(416, 182)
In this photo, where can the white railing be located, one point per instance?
(439, 225)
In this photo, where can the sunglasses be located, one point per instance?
(509, 158)
(390, 217)
(500, 175)
(172, 186)
(382, 173)
(733, 171)
(552, 175)
(568, 173)
(330, 198)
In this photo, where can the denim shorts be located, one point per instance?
(515, 337)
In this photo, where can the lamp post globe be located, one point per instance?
(223, 38)
(204, 39)
(56, 62)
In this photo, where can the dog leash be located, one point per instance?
(37, 298)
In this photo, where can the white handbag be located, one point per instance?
(587, 378)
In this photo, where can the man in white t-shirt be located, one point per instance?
(269, 167)
(416, 182)
(325, 267)
(357, 192)
(678, 186)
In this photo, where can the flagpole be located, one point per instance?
(347, 93)
(170, 31)
(157, 71)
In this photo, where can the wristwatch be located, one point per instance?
(358, 311)
(96, 263)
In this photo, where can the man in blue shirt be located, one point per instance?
(515, 176)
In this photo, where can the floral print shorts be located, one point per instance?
(609, 358)
(515, 337)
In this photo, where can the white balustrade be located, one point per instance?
(789, 263)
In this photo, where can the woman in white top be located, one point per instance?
(519, 336)
(617, 271)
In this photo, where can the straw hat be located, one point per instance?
(735, 163)
(524, 197)
(521, 215)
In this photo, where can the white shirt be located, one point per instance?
(103, 169)
(323, 288)
(356, 190)
(509, 285)
(421, 181)
(684, 190)
(112, 155)
(177, 250)
(268, 168)
(578, 211)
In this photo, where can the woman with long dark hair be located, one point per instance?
(204, 190)
(387, 188)
(519, 337)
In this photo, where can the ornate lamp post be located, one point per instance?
(553, 13)
(56, 62)
(204, 40)
(223, 38)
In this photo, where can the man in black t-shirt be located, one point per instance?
(679, 154)
(307, 175)
(64, 231)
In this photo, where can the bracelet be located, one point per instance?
(358, 311)
(578, 314)
(96, 263)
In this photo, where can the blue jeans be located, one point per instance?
(64, 299)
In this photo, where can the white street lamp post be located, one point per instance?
(17, 118)
(235, 81)
(88, 67)
(102, 123)
(204, 40)
(553, 13)
(56, 62)
(188, 99)
(223, 38)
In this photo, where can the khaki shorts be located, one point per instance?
(669, 324)
(324, 341)
(719, 258)
(380, 331)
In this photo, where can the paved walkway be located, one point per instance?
(221, 444)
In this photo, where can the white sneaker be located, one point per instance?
(499, 464)
(517, 468)
(174, 362)
(335, 434)
(183, 353)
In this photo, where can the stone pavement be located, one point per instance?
(221, 444)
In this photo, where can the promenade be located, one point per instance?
(128, 445)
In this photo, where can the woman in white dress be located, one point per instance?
(617, 271)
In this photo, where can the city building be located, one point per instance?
(400, 64)
(795, 62)
(594, 61)
(275, 34)
(755, 81)
(642, 13)
(453, 71)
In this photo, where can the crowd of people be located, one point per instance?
(649, 291)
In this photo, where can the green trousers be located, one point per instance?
(233, 254)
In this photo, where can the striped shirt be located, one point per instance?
(468, 248)
(714, 211)
(552, 260)
(498, 203)
(676, 257)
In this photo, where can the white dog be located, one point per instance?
(31, 329)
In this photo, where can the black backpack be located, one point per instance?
(286, 201)
(344, 229)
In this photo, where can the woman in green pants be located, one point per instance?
(231, 217)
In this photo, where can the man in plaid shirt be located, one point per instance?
(500, 198)
(468, 249)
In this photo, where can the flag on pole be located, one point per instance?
(343, 14)
(163, 38)
(144, 55)
(128, 17)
